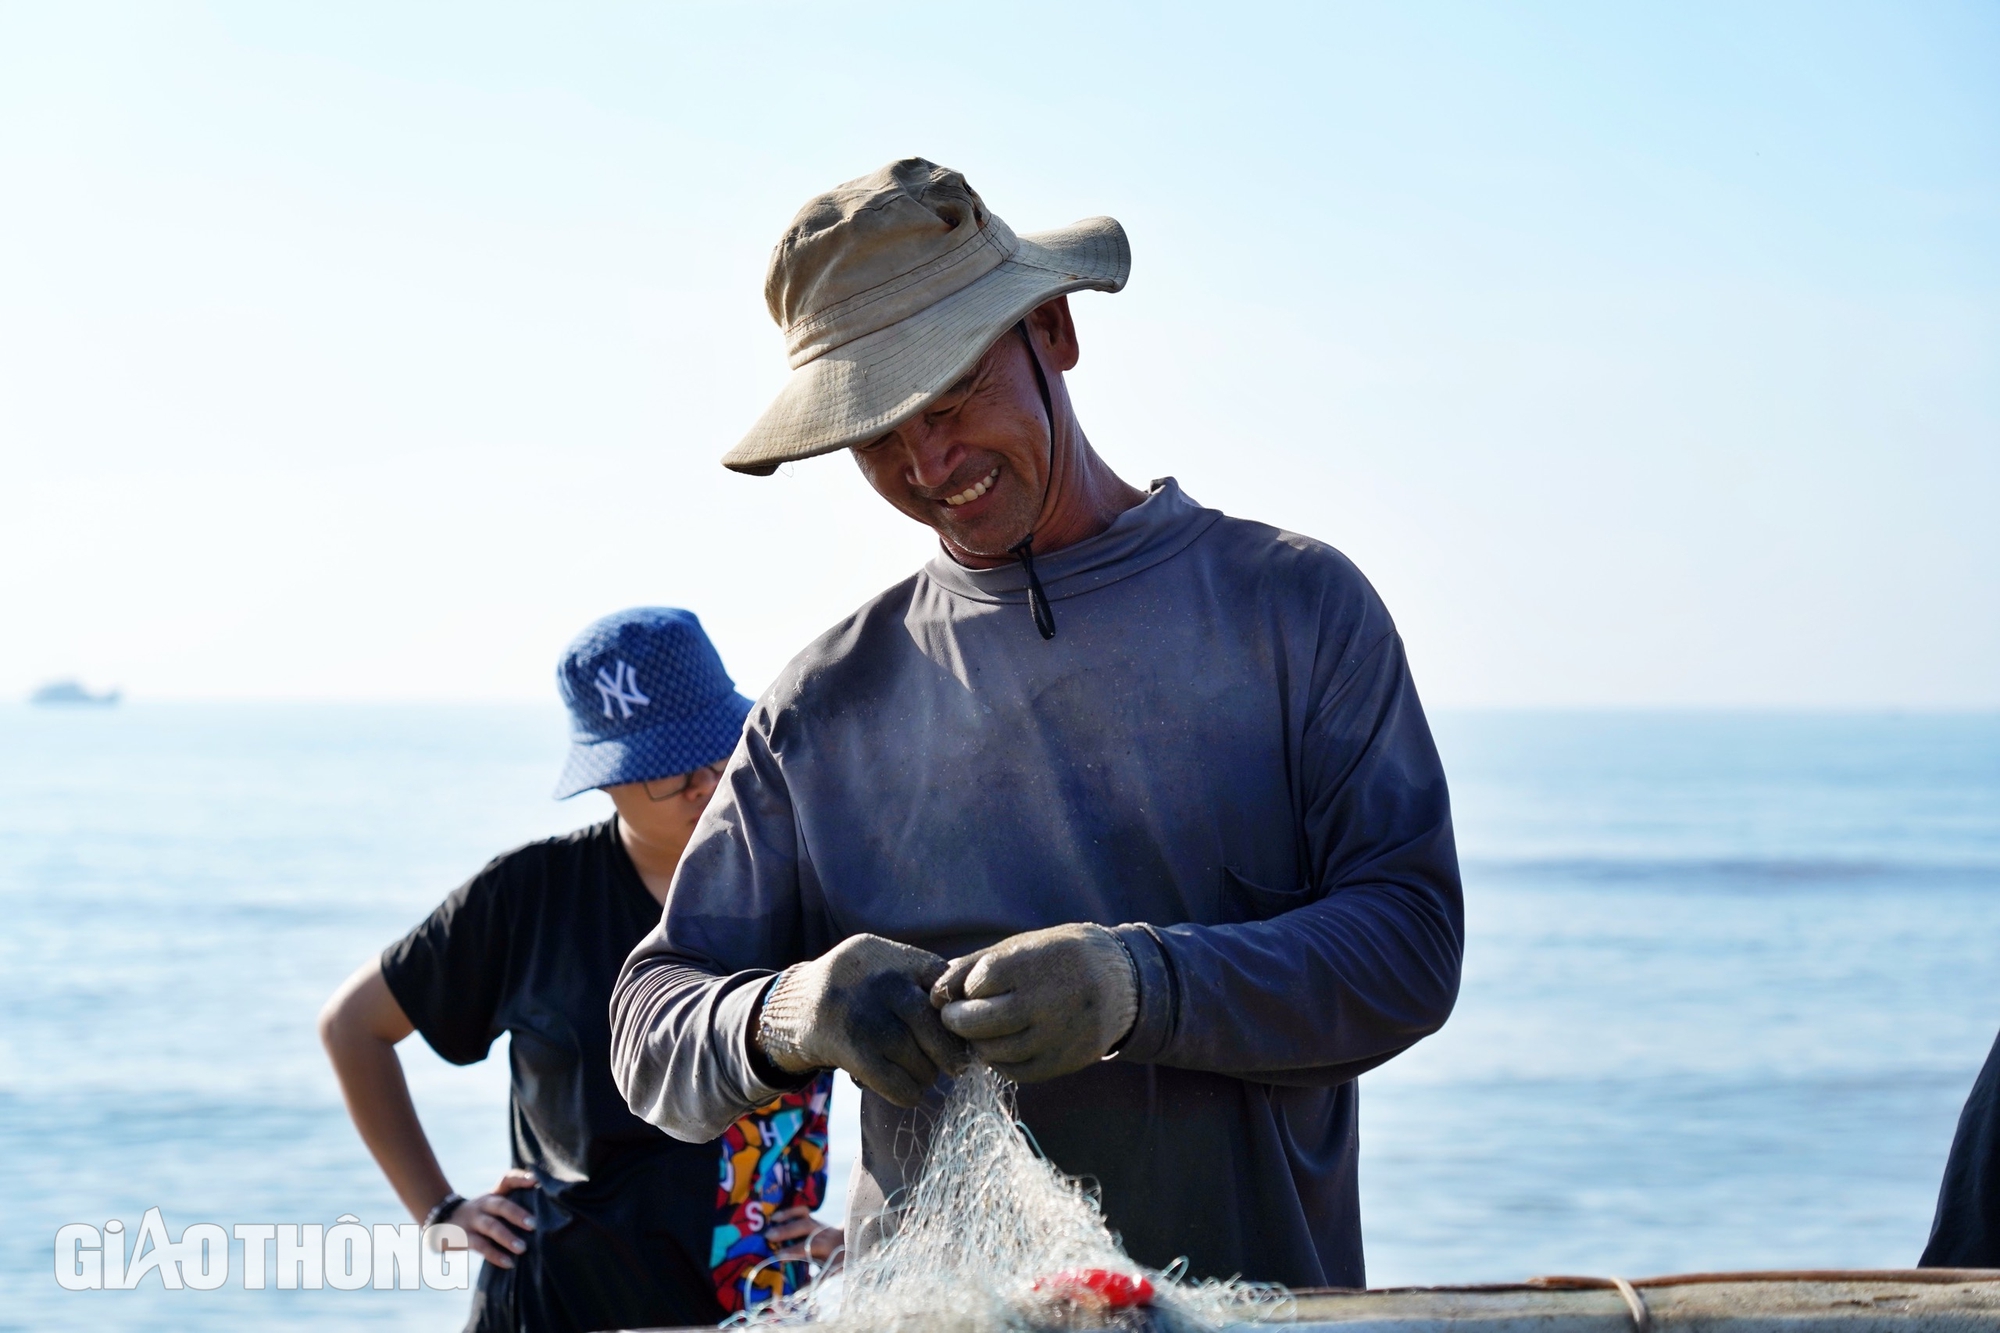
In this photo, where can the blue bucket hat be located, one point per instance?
(647, 698)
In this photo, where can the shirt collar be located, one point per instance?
(1158, 528)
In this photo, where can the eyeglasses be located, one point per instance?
(663, 789)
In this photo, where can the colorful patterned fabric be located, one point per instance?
(772, 1159)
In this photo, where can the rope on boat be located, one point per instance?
(1642, 1318)
(1635, 1304)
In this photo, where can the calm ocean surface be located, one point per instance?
(1728, 979)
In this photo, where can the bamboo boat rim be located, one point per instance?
(1586, 1282)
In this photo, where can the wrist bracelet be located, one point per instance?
(443, 1209)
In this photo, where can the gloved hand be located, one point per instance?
(1043, 1003)
(862, 1006)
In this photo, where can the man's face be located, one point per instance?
(974, 465)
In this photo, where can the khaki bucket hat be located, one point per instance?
(889, 288)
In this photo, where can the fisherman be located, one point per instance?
(1154, 780)
(1965, 1231)
(603, 1222)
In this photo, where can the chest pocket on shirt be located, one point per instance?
(1244, 899)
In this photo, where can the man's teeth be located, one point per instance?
(971, 493)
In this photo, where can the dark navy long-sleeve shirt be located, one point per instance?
(1220, 754)
(1965, 1233)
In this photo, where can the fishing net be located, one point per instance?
(994, 1239)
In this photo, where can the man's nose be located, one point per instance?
(932, 456)
(702, 784)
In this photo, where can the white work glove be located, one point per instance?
(863, 1006)
(1044, 1003)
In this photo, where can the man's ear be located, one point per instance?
(1055, 334)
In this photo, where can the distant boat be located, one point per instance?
(71, 692)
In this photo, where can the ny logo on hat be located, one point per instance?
(621, 687)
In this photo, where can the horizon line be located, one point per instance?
(1875, 708)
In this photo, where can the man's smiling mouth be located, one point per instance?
(973, 492)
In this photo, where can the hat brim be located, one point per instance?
(873, 384)
(680, 745)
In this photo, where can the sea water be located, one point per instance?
(1728, 978)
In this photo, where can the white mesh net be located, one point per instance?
(994, 1238)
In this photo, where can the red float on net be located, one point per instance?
(1098, 1287)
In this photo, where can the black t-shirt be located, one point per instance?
(625, 1215)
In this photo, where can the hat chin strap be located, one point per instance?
(1024, 550)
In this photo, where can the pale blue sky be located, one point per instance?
(1641, 354)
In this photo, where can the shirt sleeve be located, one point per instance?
(681, 1013)
(1366, 960)
(449, 974)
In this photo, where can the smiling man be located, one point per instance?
(1131, 800)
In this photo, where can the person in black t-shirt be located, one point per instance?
(604, 1221)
